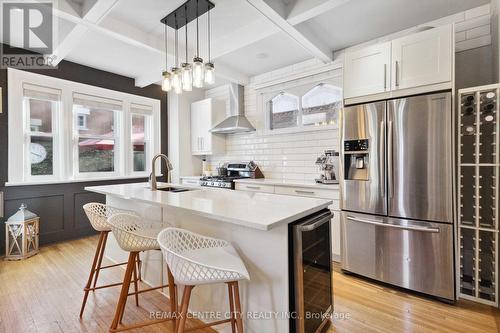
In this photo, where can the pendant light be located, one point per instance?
(185, 75)
(198, 70)
(187, 69)
(166, 84)
(209, 66)
(176, 72)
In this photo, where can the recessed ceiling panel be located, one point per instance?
(266, 55)
(106, 53)
(359, 21)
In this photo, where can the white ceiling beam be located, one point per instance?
(304, 10)
(316, 48)
(93, 12)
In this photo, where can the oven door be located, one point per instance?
(313, 273)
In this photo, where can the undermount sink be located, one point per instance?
(175, 189)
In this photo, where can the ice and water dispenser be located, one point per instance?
(356, 159)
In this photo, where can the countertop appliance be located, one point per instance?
(328, 165)
(233, 171)
(397, 193)
(311, 276)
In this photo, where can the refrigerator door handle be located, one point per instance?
(395, 226)
(390, 161)
(382, 159)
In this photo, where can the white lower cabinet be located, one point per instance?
(190, 181)
(255, 188)
(320, 193)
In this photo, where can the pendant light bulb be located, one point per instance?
(187, 77)
(176, 80)
(209, 73)
(166, 84)
(198, 72)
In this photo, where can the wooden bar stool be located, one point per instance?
(196, 260)
(135, 235)
(98, 215)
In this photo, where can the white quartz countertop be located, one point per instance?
(261, 211)
(291, 183)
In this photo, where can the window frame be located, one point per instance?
(148, 138)
(64, 129)
(77, 174)
(28, 134)
(297, 88)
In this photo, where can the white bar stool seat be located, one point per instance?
(134, 234)
(195, 259)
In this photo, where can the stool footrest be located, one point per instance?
(146, 290)
(219, 322)
(109, 266)
(134, 326)
(106, 286)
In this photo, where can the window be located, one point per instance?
(140, 136)
(96, 151)
(41, 106)
(284, 111)
(303, 107)
(61, 131)
(321, 104)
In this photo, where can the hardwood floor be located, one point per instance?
(43, 294)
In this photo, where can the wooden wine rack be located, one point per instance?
(478, 171)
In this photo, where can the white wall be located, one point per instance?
(179, 139)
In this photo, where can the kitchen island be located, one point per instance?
(257, 225)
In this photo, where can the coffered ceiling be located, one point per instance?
(249, 36)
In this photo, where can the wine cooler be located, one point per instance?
(478, 171)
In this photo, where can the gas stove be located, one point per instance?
(234, 171)
(219, 181)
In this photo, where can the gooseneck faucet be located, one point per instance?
(154, 185)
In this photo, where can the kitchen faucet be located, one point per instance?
(152, 177)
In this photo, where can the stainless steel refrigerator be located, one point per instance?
(397, 193)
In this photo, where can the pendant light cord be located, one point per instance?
(197, 31)
(209, 33)
(176, 44)
(185, 8)
(166, 48)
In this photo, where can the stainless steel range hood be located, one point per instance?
(236, 122)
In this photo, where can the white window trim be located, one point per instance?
(148, 140)
(304, 86)
(18, 156)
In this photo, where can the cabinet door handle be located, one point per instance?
(304, 192)
(397, 73)
(202, 143)
(385, 76)
(253, 187)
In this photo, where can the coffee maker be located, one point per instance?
(328, 165)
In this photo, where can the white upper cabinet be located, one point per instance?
(418, 60)
(367, 71)
(423, 58)
(205, 114)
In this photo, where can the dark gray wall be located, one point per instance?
(474, 67)
(60, 205)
